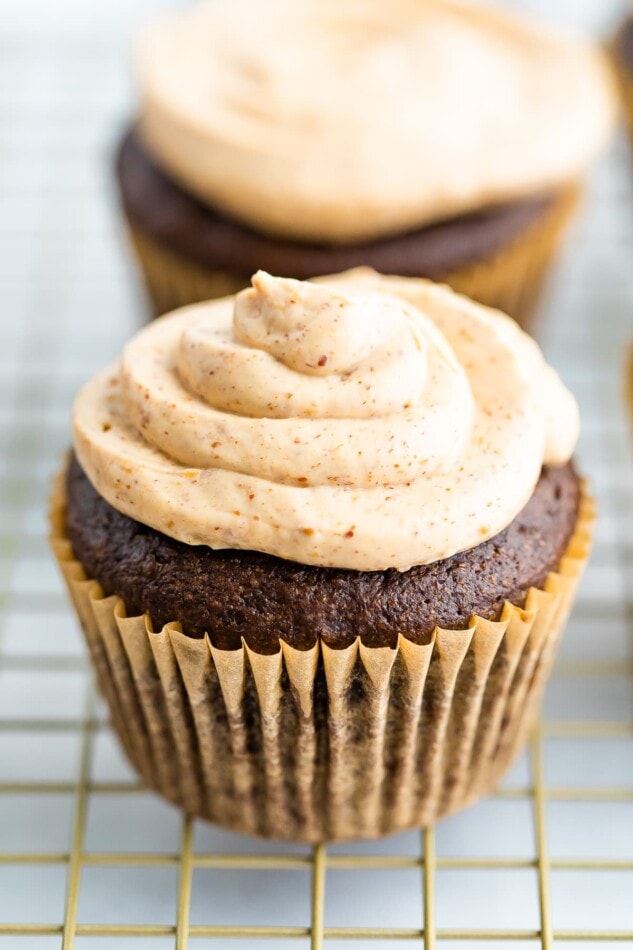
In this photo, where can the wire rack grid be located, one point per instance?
(88, 858)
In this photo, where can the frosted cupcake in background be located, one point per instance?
(621, 49)
(306, 137)
(323, 539)
(622, 58)
(628, 380)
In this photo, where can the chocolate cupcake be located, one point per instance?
(433, 140)
(622, 58)
(322, 539)
(628, 380)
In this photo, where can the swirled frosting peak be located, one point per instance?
(344, 120)
(362, 422)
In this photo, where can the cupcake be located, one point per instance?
(426, 139)
(628, 380)
(322, 538)
(622, 58)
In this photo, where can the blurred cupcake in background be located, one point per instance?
(421, 138)
(628, 380)
(621, 49)
(622, 57)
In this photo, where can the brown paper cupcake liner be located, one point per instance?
(511, 280)
(323, 744)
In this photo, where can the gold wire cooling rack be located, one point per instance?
(69, 301)
(318, 861)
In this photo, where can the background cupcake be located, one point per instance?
(622, 57)
(425, 139)
(324, 608)
(628, 379)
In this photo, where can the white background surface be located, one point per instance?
(68, 300)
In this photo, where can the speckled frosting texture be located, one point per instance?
(362, 422)
(312, 118)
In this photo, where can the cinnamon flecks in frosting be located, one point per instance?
(345, 120)
(363, 422)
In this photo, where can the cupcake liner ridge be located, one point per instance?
(323, 744)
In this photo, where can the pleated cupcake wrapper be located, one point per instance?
(172, 281)
(510, 280)
(323, 744)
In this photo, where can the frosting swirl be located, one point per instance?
(361, 422)
(344, 120)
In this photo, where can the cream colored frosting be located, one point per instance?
(362, 422)
(339, 120)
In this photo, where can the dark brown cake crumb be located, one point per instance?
(235, 594)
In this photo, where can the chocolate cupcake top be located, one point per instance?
(362, 422)
(342, 120)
